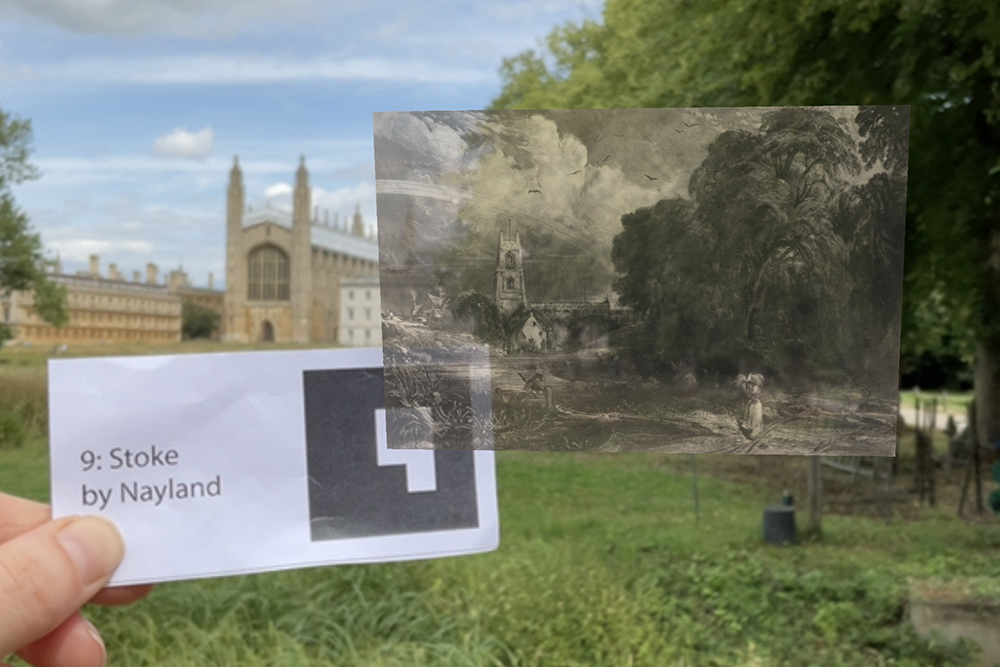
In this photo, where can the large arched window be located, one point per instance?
(510, 283)
(509, 260)
(268, 271)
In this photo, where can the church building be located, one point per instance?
(284, 271)
(508, 279)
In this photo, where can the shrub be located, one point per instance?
(12, 431)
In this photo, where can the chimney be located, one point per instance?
(137, 276)
(95, 266)
(211, 281)
(113, 272)
(176, 280)
(151, 274)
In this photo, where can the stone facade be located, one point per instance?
(106, 309)
(360, 313)
(284, 271)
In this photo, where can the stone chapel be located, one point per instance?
(283, 271)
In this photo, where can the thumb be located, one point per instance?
(48, 573)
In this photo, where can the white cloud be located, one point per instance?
(389, 32)
(79, 250)
(256, 69)
(278, 190)
(336, 205)
(183, 144)
(179, 17)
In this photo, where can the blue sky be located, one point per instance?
(138, 106)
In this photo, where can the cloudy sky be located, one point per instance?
(138, 106)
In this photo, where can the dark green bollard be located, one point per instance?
(779, 525)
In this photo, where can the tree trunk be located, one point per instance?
(987, 385)
(815, 488)
(987, 366)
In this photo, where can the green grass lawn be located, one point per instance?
(601, 563)
(35, 356)
(947, 402)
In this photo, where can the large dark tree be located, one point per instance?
(762, 266)
(22, 266)
(938, 56)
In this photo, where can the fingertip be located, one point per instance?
(113, 597)
(94, 545)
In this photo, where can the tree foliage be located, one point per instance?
(489, 325)
(940, 57)
(22, 265)
(769, 262)
(198, 321)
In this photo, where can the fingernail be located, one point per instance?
(94, 545)
(97, 638)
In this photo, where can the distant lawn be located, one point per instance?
(601, 563)
(36, 355)
(948, 402)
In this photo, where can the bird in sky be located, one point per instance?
(575, 172)
(538, 191)
(652, 178)
(676, 130)
(690, 124)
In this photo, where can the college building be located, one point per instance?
(284, 272)
(290, 278)
(108, 308)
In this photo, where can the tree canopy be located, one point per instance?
(940, 57)
(22, 264)
(773, 260)
(198, 321)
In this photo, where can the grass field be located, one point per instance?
(602, 562)
(956, 403)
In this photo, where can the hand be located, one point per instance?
(48, 570)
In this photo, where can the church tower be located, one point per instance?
(508, 280)
(234, 302)
(301, 259)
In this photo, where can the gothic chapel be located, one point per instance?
(283, 271)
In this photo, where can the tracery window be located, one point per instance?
(509, 260)
(510, 283)
(269, 271)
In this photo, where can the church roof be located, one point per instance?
(342, 242)
(327, 238)
(267, 214)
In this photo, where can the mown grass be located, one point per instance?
(602, 562)
(956, 403)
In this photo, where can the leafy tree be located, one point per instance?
(489, 325)
(22, 266)
(198, 321)
(757, 268)
(940, 57)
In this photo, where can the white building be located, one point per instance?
(360, 312)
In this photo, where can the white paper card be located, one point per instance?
(234, 463)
